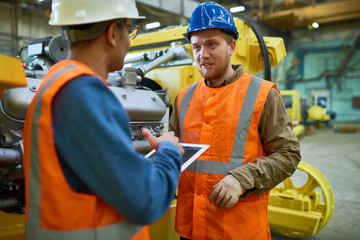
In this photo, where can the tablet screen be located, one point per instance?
(191, 153)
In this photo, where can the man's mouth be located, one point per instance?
(206, 65)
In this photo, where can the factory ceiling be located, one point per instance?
(277, 14)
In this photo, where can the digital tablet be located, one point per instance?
(191, 153)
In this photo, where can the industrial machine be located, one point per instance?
(158, 66)
(292, 103)
(316, 114)
(300, 211)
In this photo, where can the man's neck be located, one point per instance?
(96, 62)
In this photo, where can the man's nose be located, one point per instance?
(204, 53)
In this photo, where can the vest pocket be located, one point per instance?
(222, 142)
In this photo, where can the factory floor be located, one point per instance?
(337, 156)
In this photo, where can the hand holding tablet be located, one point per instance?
(192, 152)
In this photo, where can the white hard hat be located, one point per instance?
(78, 12)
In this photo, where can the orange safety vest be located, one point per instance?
(53, 209)
(227, 119)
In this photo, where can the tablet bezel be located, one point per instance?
(201, 149)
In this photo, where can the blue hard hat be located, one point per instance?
(211, 15)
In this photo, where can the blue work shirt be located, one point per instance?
(93, 142)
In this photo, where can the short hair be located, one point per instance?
(75, 33)
(228, 35)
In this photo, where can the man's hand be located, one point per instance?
(169, 136)
(227, 192)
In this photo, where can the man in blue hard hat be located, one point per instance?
(224, 194)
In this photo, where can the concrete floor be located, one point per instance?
(337, 156)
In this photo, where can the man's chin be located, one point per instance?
(205, 73)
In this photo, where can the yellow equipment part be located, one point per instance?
(12, 226)
(300, 212)
(292, 103)
(293, 107)
(12, 73)
(247, 52)
(298, 129)
(175, 78)
(164, 228)
(318, 113)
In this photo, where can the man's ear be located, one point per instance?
(232, 47)
(111, 34)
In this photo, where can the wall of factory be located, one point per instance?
(20, 26)
(325, 65)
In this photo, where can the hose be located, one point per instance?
(263, 48)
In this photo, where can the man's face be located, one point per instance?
(212, 54)
(124, 43)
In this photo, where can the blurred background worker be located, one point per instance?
(84, 179)
(224, 194)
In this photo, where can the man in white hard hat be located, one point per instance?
(83, 177)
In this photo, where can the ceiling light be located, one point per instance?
(152, 25)
(315, 25)
(237, 9)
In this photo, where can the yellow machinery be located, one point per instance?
(317, 113)
(293, 211)
(303, 211)
(293, 106)
(178, 74)
(300, 211)
(11, 73)
(292, 103)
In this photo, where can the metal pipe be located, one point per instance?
(145, 57)
(38, 74)
(157, 62)
(129, 78)
(134, 59)
(9, 156)
(8, 203)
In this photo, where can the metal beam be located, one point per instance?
(322, 13)
(181, 8)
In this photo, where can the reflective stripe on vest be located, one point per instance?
(214, 167)
(121, 230)
(184, 105)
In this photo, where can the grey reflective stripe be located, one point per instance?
(245, 118)
(34, 173)
(214, 167)
(119, 231)
(184, 105)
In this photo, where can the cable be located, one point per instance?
(263, 48)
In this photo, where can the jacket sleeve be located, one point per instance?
(280, 145)
(174, 120)
(93, 141)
